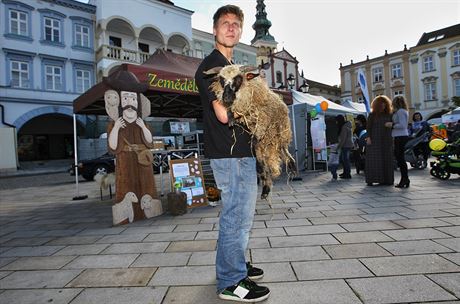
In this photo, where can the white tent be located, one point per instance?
(452, 116)
(354, 105)
(311, 100)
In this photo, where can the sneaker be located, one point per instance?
(245, 291)
(254, 273)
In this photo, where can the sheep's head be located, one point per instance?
(231, 78)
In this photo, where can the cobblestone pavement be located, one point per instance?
(318, 242)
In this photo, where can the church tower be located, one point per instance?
(263, 41)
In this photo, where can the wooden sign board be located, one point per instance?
(189, 173)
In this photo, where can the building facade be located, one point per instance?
(47, 60)
(428, 74)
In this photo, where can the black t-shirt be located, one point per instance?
(219, 138)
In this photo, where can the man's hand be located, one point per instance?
(119, 123)
(368, 141)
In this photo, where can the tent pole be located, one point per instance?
(296, 178)
(77, 196)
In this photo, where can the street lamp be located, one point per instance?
(304, 87)
(291, 81)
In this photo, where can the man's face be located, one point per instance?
(228, 30)
(129, 104)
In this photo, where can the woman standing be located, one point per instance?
(379, 149)
(345, 144)
(401, 136)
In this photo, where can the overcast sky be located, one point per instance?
(323, 33)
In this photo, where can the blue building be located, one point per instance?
(46, 61)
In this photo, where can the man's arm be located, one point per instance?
(221, 111)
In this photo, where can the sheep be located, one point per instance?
(124, 209)
(251, 103)
(104, 180)
(152, 207)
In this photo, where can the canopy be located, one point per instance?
(311, 100)
(354, 105)
(172, 88)
(452, 116)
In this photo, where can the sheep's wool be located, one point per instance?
(266, 117)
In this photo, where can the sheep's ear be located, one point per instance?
(212, 71)
(248, 68)
(250, 76)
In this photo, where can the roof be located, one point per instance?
(172, 89)
(437, 35)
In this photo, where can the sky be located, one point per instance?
(324, 33)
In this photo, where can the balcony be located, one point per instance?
(121, 54)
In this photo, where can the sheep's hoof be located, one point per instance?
(265, 192)
(292, 170)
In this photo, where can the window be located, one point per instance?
(430, 91)
(279, 77)
(19, 23)
(144, 47)
(428, 64)
(378, 74)
(114, 41)
(198, 50)
(245, 59)
(456, 56)
(52, 29)
(83, 80)
(398, 93)
(19, 74)
(82, 35)
(396, 70)
(53, 78)
(457, 87)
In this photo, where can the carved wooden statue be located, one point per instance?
(130, 140)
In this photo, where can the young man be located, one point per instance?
(234, 167)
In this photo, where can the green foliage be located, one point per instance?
(456, 100)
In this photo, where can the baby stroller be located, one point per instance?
(359, 151)
(447, 161)
(416, 150)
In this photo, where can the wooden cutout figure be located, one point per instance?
(131, 140)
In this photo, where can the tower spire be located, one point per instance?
(262, 24)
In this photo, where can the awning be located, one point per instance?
(311, 100)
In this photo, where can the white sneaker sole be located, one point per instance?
(236, 299)
(256, 277)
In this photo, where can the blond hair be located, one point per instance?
(399, 102)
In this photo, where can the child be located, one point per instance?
(333, 160)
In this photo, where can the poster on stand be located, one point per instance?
(318, 133)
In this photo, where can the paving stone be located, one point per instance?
(342, 212)
(122, 238)
(355, 251)
(455, 220)
(192, 294)
(197, 227)
(415, 234)
(268, 217)
(4, 274)
(161, 259)
(421, 223)
(411, 264)
(122, 295)
(276, 272)
(81, 249)
(75, 240)
(36, 241)
(361, 237)
(61, 232)
(136, 248)
(400, 289)
(39, 296)
(267, 232)
(414, 247)
(149, 229)
(26, 233)
(370, 226)
(187, 246)
(202, 258)
(316, 229)
(103, 231)
(425, 214)
(6, 261)
(288, 254)
(102, 261)
(208, 235)
(31, 251)
(302, 240)
(318, 292)
(258, 243)
(38, 279)
(312, 208)
(287, 223)
(185, 275)
(453, 257)
(39, 263)
(169, 237)
(386, 209)
(301, 215)
(453, 231)
(113, 277)
(452, 243)
(383, 217)
(330, 269)
(337, 219)
(449, 281)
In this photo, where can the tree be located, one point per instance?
(456, 100)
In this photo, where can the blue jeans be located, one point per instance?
(345, 160)
(237, 180)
